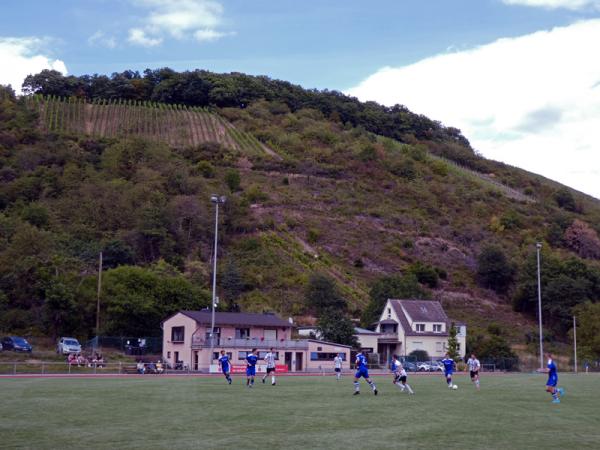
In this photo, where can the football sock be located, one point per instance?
(410, 391)
(372, 385)
(356, 386)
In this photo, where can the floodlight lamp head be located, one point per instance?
(214, 198)
(538, 245)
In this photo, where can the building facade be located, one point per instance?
(408, 325)
(187, 342)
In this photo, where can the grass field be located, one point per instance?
(511, 411)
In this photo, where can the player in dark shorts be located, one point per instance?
(474, 367)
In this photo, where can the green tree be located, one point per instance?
(425, 274)
(453, 343)
(336, 327)
(588, 329)
(232, 285)
(394, 286)
(232, 179)
(322, 294)
(493, 269)
(60, 312)
(420, 355)
(135, 300)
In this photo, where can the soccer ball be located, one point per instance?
(455, 387)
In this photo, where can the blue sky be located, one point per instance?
(382, 50)
(324, 44)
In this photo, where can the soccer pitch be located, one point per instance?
(510, 411)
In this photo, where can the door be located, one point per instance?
(175, 357)
(299, 361)
(195, 360)
(288, 360)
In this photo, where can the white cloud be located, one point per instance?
(24, 56)
(209, 35)
(556, 4)
(179, 19)
(531, 101)
(101, 39)
(138, 36)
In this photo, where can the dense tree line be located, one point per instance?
(204, 88)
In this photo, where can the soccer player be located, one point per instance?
(362, 371)
(400, 376)
(551, 384)
(225, 366)
(270, 359)
(337, 364)
(474, 367)
(448, 369)
(251, 360)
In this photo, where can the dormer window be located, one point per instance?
(437, 328)
(420, 326)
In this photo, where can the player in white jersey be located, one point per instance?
(474, 367)
(270, 360)
(400, 376)
(337, 364)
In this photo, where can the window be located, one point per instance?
(217, 332)
(242, 355)
(261, 355)
(168, 355)
(389, 312)
(437, 328)
(324, 356)
(242, 333)
(177, 334)
(270, 335)
(420, 327)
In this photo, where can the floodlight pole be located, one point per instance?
(98, 298)
(538, 247)
(216, 200)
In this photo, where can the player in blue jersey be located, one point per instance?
(251, 360)
(362, 371)
(448, 364)
(552, 383)
(225, 365)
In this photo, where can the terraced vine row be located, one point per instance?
(176, 125)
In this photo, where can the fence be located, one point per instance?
(48, 368)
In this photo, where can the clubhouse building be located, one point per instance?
(186, 341)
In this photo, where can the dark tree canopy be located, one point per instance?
(204, 88)
(494, 270)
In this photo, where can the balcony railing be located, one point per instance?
(203, 342)
(388, 337)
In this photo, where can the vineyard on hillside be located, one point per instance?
(176, 125)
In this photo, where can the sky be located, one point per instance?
(520, 78)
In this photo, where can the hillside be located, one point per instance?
(324, 196)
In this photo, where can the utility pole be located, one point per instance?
(98, 299)
(575, 342)
(538, 247)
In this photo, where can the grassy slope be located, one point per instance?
(510, 411)
(331, 196)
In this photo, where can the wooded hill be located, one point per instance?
(365, 214)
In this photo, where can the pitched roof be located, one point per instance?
(419, 311)
(358, 330)
(234, 318)
(424, 311)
